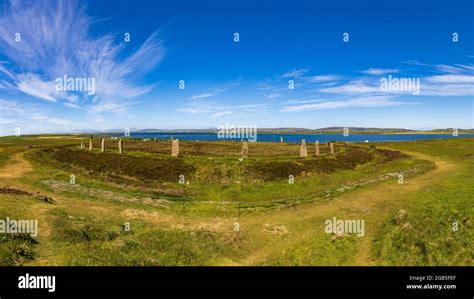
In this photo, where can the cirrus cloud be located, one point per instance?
(55, 41)
(379, 101)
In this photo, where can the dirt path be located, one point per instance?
(396, 193)
(16, 167)
(373, 204)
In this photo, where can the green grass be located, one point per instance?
(154, 248)
(87, 228)
(317, 251)
(16, 249)
(439, 226)
(90, 241)
(225, 179)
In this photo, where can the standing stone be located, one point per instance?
(331, 146)
(281, 139)
(90, 144)
(316, 147)
(120, 145)
(175, 148)
(327, 144)
(245, 150)
(82, 143)
(102, 145)
(303, 152)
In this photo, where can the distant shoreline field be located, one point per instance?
(268, 137)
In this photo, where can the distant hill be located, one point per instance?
(289, 130)
(362, 130)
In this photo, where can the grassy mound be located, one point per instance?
(145, 168)
(273, 170)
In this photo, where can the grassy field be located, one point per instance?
(207, 207)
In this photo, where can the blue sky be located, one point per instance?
(336, 83)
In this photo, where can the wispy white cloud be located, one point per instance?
(265, 85)
(11, 106)
(59, 121)
(204, 95)
(298, 101)
(99, 119)
(56, 41)
(451, 69)
(381, 101)
(75, 106)
(246, 106)
(450, 84)
(443, 68)
(273, 96)
(324, 78)
(6, 121)
(252, 108)
(451, 79)
(30, 116)
(467, 67)
(444, 90)
(216, 110)
(353, 88)
(222, 113)
(277, 86)
(33, 85)
(294, 73)
(38, 117)
(217, 90)
(197, 107)
(376, 72)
